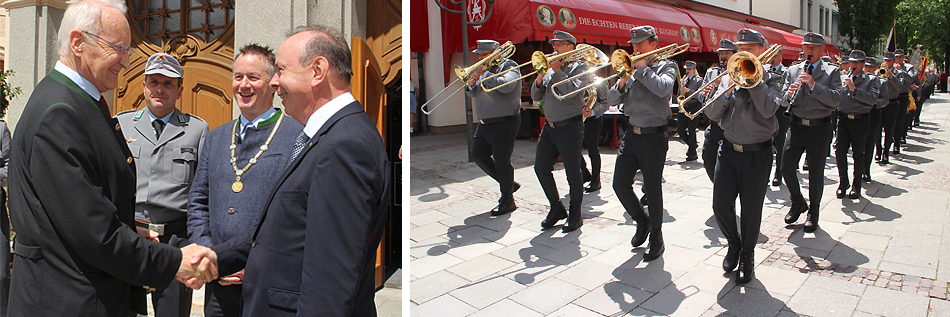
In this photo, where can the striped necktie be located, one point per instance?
(302, 139)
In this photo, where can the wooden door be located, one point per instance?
(201, 36)
(368, 88)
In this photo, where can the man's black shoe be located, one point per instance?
(840, 192)
(643, 200)
(732, 257)
(574, 221)
(593, 186)
(505, 205)
(798, 207)
(556, 214)
(746, 263)
(643, 229)
(777, 181)
(811, 222)
(866, 178)
(855, 193)
(656, 248)
(690, 158)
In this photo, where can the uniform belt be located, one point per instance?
(565, 122)
(854, 116)
(810, 122)
(162, 228)
(499, 119)
(648, 130)
(726, 144)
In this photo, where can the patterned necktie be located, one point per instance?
(811, 68)
(159, 125)
(302, 139)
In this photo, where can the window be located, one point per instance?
(809, 15)
(161, 20)
(821, 19)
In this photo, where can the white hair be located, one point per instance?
(83, 16)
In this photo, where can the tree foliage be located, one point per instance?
(924, 22)
(7, 92)
(864, 22)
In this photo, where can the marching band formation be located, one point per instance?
(757, 108)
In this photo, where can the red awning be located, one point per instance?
(419, 19)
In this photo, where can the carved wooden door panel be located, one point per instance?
(368, 88)
(201, 36)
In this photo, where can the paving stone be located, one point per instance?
(676, 300)
(613, 299)
(445, 305)
(483, 293)
(777, 281)
(480, 267)
(887, 302)
(822, 302)
(435, 285)
(506, 308)
(548, 296)
(572, 310)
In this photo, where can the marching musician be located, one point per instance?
(816, 88)
(713, 132)
(858, 98)
(747, 118)
(778, 70)
(685, 126)
(593, 124)
(873, 139)
(499, 120)
(909, 76)
(646, 97)
(891, 113)
(563, 132)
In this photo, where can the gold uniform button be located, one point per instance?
(118, 127)
(231, 211)
(129, 160)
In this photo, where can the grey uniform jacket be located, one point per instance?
(894, 84)
(693, 83)
(504, 101)
(816, 102)
(748, 116)
(882, 91)
(647, 94)
(601, 105)
(864, 96)
(909, 76)
(776, 85)
(556, 109)
(166, 166)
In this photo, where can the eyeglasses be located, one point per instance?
(120, 49)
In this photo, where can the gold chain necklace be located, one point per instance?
(237, 186)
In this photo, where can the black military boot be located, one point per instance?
(574, 221)
(656, 248)
(594, 184)
(505, 205)
(746, 263)
(556, 214)
(777, 179)
(855, 192)
(811, 223)
(732, 256)
(798, 207)
(643, 228)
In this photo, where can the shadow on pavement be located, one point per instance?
(747, 301)
(877, 212)
(469, 232)
(635, 285)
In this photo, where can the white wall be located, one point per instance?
(734, 5)
(784, 11)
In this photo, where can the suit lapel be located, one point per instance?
(144, 126)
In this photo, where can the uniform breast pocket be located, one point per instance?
(184, 162)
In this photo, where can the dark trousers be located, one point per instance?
(647, 153)
(686, 128)
(564, 141)
(779, 139)
(711, 142)
(851, 134)
(492, 149)
(742, 174)
(813, 140)
(873, 139)
(222, 301)
(4, 254)
(901, 124)
(889, 116)
(592, 127)
(175, 299)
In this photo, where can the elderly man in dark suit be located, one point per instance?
(72, 185)
(231, 185)
(313, 251)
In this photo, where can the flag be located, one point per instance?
(891, 39)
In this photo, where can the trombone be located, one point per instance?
(744, 70)
(540, 63)
(464, 74)
(622, 63)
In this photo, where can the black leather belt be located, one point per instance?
(854, 116)
(565, 121)
(746, 147)
(648, 130)
(172, 227)
(810, 122)
(499, 119)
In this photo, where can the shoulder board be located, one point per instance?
(139, 114)
(183, 117)
(125, 112)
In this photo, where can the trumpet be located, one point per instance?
(540, 63)
(501, 53)
(622, 63)
(882, 72)
(744, 70)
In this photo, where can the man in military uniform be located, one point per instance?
(747, 117)
(166, 144)
(858, 98)
(874, 118)
(713, 132)
(646, 96)
(816, 88)
(891, 113)
(239, 166)
(499, 119)
(685, 126)
(777, 70)
(911, 83)
(593, 124)
(563, 132)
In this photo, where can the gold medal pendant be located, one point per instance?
(237, 186)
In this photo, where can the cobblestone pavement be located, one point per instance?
(885, 254)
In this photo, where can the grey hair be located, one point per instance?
(329, 43)
(264, 52)
(84, 16)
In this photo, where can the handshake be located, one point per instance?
(199, 265)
